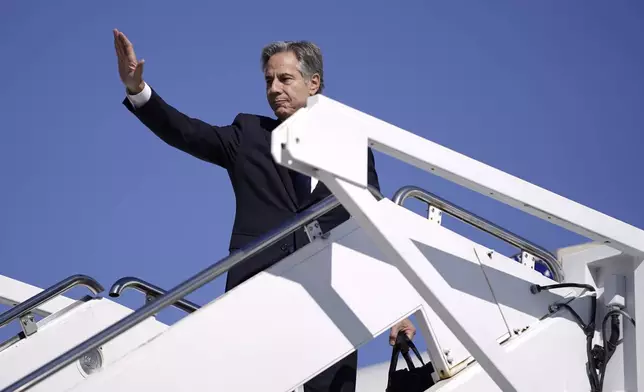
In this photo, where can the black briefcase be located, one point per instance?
(412, 379)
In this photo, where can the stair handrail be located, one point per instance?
(26, 307)
(183, 289)
(150, 290)
(483, 224)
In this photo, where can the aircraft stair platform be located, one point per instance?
(64, 324)
(488, 320)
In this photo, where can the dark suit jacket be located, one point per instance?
(264, 193)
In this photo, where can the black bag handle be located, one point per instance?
(411, 379)
(402, 346)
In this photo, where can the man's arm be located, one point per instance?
(210, 143)
(214, 144)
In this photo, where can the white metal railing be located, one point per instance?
(329, 140)
(304, 142)
(483, 224)
(151, 292)
(23, 311)
(173, 295)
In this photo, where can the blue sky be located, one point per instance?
(549, 91)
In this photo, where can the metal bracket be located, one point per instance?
(28, 324)
(519, 331)
(313, 231)
(434, 214)
(527, 259)
(32, 305)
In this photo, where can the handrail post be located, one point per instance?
(151, 292)
(24, 308)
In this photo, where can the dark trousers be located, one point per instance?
(340, 377)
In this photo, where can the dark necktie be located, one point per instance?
(302, 185)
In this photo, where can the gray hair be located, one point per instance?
(307, 53)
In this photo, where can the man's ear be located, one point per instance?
(314, 84)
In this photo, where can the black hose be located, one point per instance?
(589, 329)
(610, 344)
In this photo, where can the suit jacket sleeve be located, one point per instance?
(215, 144)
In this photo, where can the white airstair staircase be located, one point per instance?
(488, 320)
(65, 323)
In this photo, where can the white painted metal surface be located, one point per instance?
(553, 368)
(387, 263)
(303, 141)
(338, 292)
(62, 330)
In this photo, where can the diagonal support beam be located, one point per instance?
(328, 140)
(427, 281)
(330, 136)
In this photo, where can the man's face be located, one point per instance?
(286, 88)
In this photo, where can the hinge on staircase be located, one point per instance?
(313, 231)
(527, 259)
(28, 324)
(434, 214)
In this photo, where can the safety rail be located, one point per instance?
(26, 307)
(481, 223)
(177, 293)
(151, 292)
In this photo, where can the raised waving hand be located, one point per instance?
(130, 69)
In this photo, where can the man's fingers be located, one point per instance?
(394, 334)
(126, 41)
(122, 60)
(116, 44)
(120, 52)
(405, 326)
(124, 49)
(125, 53)
(410, 329)
(139, 70)
(128, 49)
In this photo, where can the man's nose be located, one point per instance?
(275, 87)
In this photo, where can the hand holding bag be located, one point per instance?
(412, 379)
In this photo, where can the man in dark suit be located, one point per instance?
(266, 194)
